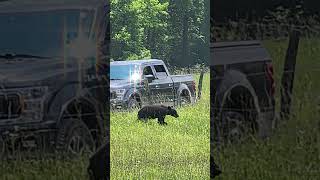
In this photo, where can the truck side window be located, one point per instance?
(160, 71)
(147, 71)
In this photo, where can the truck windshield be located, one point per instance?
(125, 72)
(42, 33)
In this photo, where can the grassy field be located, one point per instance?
(179, 150)
(293, 152)
(44, 169)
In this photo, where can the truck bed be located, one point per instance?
(182, 78)
(238, 51)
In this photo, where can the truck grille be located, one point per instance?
(2, 105)
(10, 106)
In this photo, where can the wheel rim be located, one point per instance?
(184, 100)
(133, 104)
(236, 129)
(77, 145)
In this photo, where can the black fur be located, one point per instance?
(99, 168)
(157, 112)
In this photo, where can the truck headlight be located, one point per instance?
(34, 92)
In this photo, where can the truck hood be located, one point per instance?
(119, 84)
(32, 70)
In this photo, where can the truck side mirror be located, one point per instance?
(149, 77)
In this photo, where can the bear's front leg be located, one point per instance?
(161, 120)
(145, 120)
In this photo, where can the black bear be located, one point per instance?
(215, 171)
(99, 168)
(157, 111)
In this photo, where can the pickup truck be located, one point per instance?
(242, 91)
(134, 84)
(53, 87)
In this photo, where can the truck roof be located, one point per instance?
(137, 61)
(41, 5)
(237, 52)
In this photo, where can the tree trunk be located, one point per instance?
(200, 83)
(288, 75)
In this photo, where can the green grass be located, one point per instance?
(44, 169)
(293, 152)
(179, 150)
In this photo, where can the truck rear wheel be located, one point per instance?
(232, 128)
(184, 99)
(74, 138)
(235, 128)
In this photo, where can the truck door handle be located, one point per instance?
(157, 86)
(170, 85)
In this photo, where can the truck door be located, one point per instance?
(148, 96)
(163, 85)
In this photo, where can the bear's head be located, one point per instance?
(172, 112)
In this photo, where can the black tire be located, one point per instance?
(233, 128)
(74, 138)
(2, 148)
(184, 100)
(133, 104)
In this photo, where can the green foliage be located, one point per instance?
(175, 31)
(130, 23)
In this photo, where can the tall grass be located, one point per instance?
(179, 150)
(48, 169)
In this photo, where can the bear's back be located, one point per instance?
(153, 111)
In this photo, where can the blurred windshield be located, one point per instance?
(124, 72)
(42, 33)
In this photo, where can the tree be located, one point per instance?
(175, 31)
(131, 23)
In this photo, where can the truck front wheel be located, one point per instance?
(2, 148)
(133, 103)
(74, 138)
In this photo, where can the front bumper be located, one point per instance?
(118, 104)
